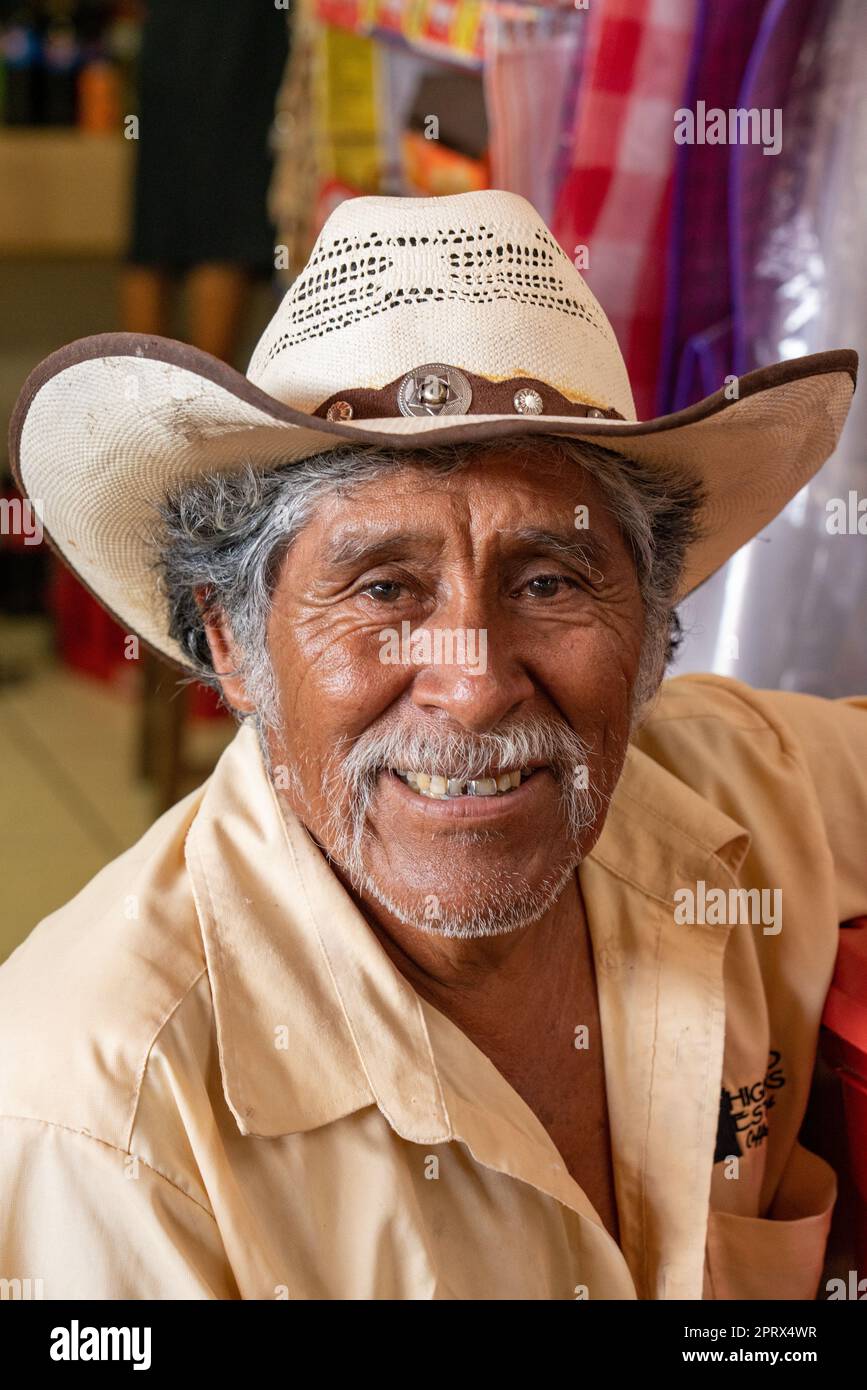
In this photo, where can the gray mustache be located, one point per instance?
(462, 753)
(354, 769)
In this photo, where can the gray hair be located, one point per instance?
(227, 534)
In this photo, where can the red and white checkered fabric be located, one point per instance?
(616, 198)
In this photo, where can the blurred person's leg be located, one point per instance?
(207, 81)
(216, 300)
(145, 299)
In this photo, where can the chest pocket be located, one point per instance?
(780, 1255)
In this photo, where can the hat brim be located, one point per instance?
(104, 427)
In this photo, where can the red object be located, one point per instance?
(88, 640)
(344, 13)
(205, 703)
(390, 14)
(438, 20)
(845, 1018)
(99, 98)
(329, 195)
(615, 198)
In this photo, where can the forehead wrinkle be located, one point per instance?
(358, 543)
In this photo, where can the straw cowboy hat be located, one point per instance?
(416, 321)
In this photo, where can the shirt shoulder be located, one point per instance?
(706, 696)
(87, 995)
(719, 737)
(696, 717)
(775, 761)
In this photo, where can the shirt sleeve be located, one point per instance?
(831, 736)
(81, 1219)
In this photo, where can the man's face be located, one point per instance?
(446, 627)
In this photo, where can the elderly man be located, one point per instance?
(482, 966)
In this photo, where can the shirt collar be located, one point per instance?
(313, 1020)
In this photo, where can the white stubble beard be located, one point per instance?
(498, 907)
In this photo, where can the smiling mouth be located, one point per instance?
(444, 788)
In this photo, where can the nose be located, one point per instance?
(475, 675)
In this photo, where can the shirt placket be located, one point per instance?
(662, 1015)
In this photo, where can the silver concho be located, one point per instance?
(434, 389)
(528, 402)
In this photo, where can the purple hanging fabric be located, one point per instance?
(704, 364)
(699, 281)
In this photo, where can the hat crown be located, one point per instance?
(475, 280)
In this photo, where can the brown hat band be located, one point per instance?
(440, 389)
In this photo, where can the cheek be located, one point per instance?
(592, 677)
(332, 684)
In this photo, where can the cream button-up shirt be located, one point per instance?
(215, 1084)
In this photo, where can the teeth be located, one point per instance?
(442, 788)
(483, 786)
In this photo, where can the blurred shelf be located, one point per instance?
(451, 31)
(447, 30)
(65, 192)
(427, 48)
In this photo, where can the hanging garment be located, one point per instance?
(787, 69)
(531, 58)
(616, 198)
(696, 340)
(295, 138)
(208, 78)
(789, 609)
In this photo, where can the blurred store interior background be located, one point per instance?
(119, 119)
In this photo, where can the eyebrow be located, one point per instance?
(362, 547)
(588, 552)
(355, 547)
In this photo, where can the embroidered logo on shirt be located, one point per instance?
(743, 1114)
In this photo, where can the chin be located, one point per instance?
(495, 910)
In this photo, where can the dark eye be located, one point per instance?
(385, 590)
(548, 585)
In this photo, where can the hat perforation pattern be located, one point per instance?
(450, 236)
(327, 298)
(400, 298)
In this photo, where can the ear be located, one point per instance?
(224, 655)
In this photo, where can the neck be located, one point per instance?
(488, 985)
